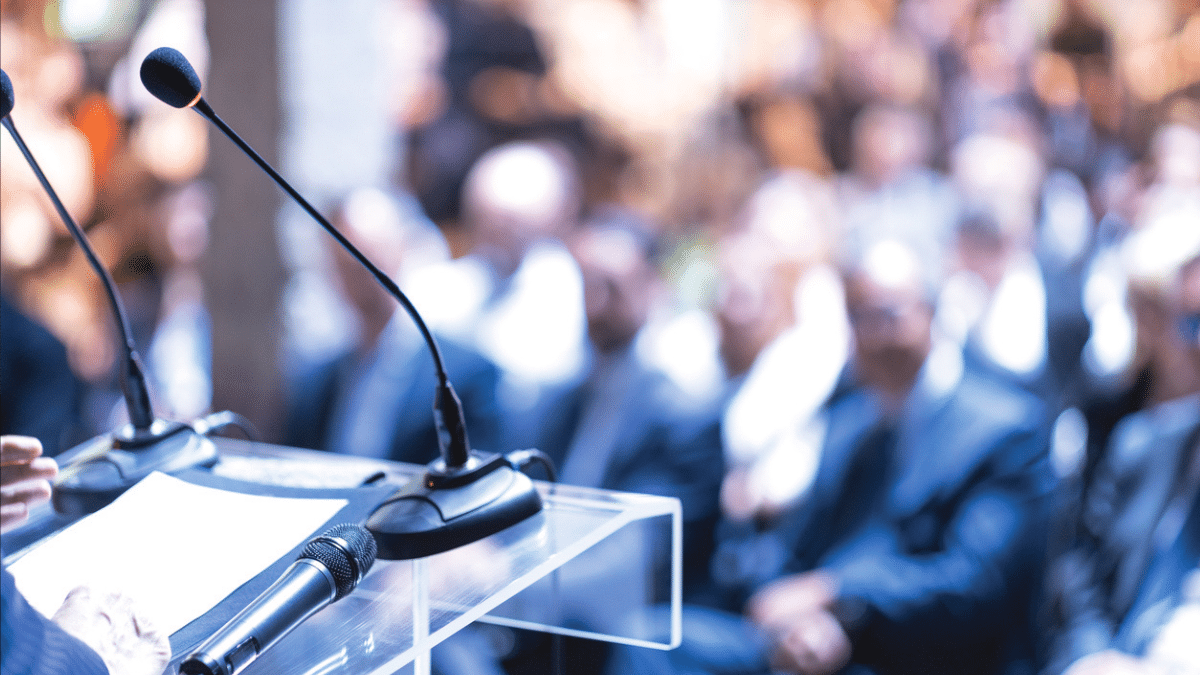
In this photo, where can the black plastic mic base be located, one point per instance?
(201, 664)
(444, 509)
(98, 471)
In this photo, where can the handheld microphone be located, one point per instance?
(98, 471)
(463, 496)
(330, 566)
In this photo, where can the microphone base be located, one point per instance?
(446, 508)
(98, 471)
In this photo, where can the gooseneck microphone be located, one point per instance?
(463, 495)
(168, 75)
(97, 471)
(133, 381)
(330, 566)
(6, 95)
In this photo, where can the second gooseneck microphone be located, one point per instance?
(463, 496)
(133, 380)
(97, 471)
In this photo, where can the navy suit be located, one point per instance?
(945, 573)
(40, 395)
(31, 644)
(931, 523)
(658, 446)
(653, 444)
(1099, 590)
(413, 437)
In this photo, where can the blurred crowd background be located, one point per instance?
(1076, 120)
(1040, 159)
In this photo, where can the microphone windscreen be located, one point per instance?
(6, 90)
(167, 74)
(347, 551)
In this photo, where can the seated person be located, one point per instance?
(917, 547)
(625, 425)
(1120, 597)
(376, 400)
(516, 295)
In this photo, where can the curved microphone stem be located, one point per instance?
(462, 496)
(204, 109)
(133, 380)
(448, 409)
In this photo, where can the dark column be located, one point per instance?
(243, 274)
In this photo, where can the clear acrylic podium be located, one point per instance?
(594, 563)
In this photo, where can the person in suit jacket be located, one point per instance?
(376, 399)
(624, 425)
(91, 633)
(1115, 591)
(916, 550)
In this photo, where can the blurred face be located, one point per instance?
(362, 290)
(985, 255)
(887, 144)
(515, 196)
(891, 320)
(618, 285)
(754, 307)
(371, 224)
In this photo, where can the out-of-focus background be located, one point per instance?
(1076, 120)
(699, 248)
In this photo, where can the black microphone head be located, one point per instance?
(6, 90)
(347, 551)
(167, 74)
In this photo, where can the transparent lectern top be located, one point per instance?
(594, 563)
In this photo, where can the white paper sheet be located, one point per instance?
(175, 548)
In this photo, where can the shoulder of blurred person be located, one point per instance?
(963, 514)
(41, 394)
(1100, 577)
(959, 429)
(34, 645)
(662, 444)
(654, 416)
(318, 395)
(967, 508)
(311, 397)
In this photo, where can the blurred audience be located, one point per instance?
(1044, 158)
(783, 341)
(490, 89)
(622, 424)
(919, 545)
(995, 302)
(1120, 597)
(890, 191)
